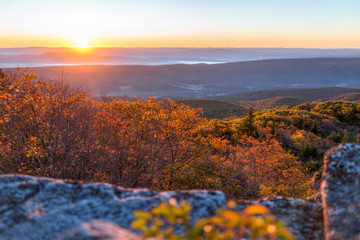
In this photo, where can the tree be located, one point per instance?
(272, 129)
(344, 111)
(248, 126)
(345, 138)
(50, 129)
(315, 127)
(330, 137)
(263, 168)
(46, 128)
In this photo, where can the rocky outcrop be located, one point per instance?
(42, 208)
(303, 218)
(340, 190)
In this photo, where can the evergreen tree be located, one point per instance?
(309, 151)
(247, 126)
(330, 137)
(337, 137)
(216, 127)
(272, 130)
(345, 138)
(315, 127)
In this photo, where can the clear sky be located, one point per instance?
(180, 23)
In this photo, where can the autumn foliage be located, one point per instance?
(50, 129)
(254, 222)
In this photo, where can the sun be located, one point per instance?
(81, 43)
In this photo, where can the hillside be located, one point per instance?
(270, 103)
(215, 109)
(203, 80)
(307, 94)
(50, 130)
(345, 97)
(234, 105)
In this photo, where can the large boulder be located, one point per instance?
(340, 190)
(304, 219)
(43, 208)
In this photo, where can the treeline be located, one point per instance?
(49, 129)
(306, 131)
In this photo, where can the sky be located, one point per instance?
(180, 23)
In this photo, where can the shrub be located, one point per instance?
(343, 111)
(173, 221)
(264, 169)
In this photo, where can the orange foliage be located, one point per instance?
(50, 129)
(265, 169)
(148, 142)
(46, 127)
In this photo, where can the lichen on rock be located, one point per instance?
(43, 208)
(340, 190)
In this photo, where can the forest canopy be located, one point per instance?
(50, 129)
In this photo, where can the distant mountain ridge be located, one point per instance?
(42, 56)
(203, 80)
(306, 94)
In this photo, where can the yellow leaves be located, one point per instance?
(230, 215)
(256, 209)
(162, 221)
(271, 229)
(231, 204)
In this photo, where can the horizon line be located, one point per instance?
(330, 48)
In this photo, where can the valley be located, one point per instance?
(180, 81)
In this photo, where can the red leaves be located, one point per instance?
(50, 129)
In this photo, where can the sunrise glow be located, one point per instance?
(186, 23)
(81, 43)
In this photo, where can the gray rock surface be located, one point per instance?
(303, 218)
(99, 230)
(43, 208)
(340, 190)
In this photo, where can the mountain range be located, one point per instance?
(180, 81)
(41, 56)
